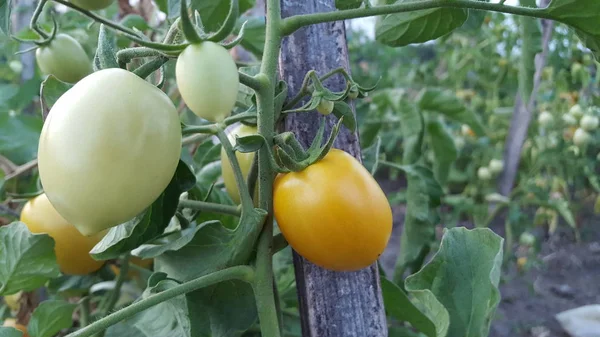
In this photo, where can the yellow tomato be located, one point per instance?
(333, 213)
(71, 247)
(245, 160)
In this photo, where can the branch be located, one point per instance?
(250, 81)
(243, 273)
(210, 207)
(291, 24)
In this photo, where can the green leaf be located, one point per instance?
(444, 150)
(150, 223)
(463, 277)
(348, 4)
(10, 332)
(5, 9)
(562, 207)
(247, 144)
(19, 136)
(51, 90)
(401, 29)
(342, 109)
(254, 34)
(412, 132)
(28, 260)
(399, 306)
(50, 317)
(583, 17)
(214, 12)
(71, 285)
(447, 104)
(135, 21)
(105, 56)
(531, 37)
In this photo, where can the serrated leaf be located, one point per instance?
(401, 29)
(342, 109)
(50, 317)
(412, 132)
(50, 92)
(28, 260)
(398, 305)
(5, 21)
(583, 16)
(150, 223)
(447, 104)
(105, 56)
(348, 4)
(443, 148)
(463, 276)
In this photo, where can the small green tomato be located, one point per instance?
(576, 111)
(527, 239)
(325, 107)
(581, 137)
(569, 119)
(589, 123)
(483, 173)
(545, 119)
(496, 166)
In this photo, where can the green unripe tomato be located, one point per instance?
(64, 58)
(208, 80)
(581, 137)
(245, 160)
(353, 93)
(545, 119)
(16, 66)
(496, 166)
(483, 173)
(569, 119)
(576, 111)
(589, 123)
(108, 149)
(527, 239)
(325, 107)
(92, 5)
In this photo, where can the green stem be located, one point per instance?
(279, 243)
(148, 68)
(34, 18)
(250, 81)
(98, 18)
(210, 207)
(294, 23)
(116, 292)
(195, 138)
(210, 129)
(125, 56)
(84, 311)
(239, 117)
(304, 88)
(245, 197)
(243, 273)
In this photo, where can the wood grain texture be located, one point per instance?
(332, 304)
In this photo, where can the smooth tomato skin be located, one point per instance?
(71, 247)
(64, 58)
(12, 323)
(208, 80)
(92, 5)
(333, 213)
(245, 160)
(108, 149)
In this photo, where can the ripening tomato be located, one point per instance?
(71, 247)
(64, 58)
(208, 80)
(333, 213)
(92, 5)
(245, 160)
(12, 323)
(108, 149)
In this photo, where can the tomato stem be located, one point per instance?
(116, 292)
(242, 273)
(247, 204)
(210, 207)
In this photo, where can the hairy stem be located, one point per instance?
(98, 18)
(210, 207)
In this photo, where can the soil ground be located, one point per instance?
(563, 276)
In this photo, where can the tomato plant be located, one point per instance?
(64, 58)
(126, 152)
(71, 247)
(245, 161)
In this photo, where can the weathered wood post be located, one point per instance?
(332, 304)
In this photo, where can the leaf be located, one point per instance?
(348, 4)
(562, 207)
(342, 109)
(71, 285)
(370, 156)
(254, 34)
(444, 150)
(463, 276)
(447, 104)
(135, 21)
(412, 132)
(50, 317)
(5, 23)
(531, 35)
(247, 144)
(19, 137)
(105, 56)
(10, 332)
(150, 223)
(214, 12)
(28, 260)
(399, 306)
(401, 29)
(50, 92)
(583, 17)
